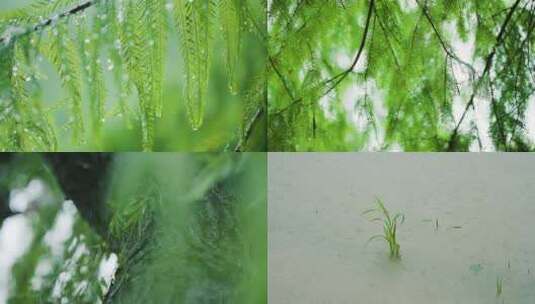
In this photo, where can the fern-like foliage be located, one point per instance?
(195, 20)
(27, 122)
(231, 19)
(63, 54)
(131, 43)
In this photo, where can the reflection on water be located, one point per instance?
(467, 237)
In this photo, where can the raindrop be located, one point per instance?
(110, 65)
(120, 16)
(54, 19)
(232, 89)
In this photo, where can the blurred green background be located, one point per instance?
(184, 228)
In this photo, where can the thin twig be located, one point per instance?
(338, 78)
(8, 36)
(396, 61)
(286, 87)
(248, 130)
(443, 43)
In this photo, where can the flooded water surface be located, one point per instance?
(468, 235)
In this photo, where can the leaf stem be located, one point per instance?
(7, 36)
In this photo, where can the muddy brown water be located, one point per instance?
(484, 204)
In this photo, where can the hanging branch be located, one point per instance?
(338, 78)
(13, 33)
(389, 44)
(443, 43)
(488, 65)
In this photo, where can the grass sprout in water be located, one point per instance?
(390, 224)
(499, 286)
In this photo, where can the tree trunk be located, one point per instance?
(83, 179)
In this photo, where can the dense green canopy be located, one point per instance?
(413, 75)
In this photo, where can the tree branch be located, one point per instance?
(286, 87)
(83, 177)
(5, 211)
(248, 130)
(488, 65)
(281, 78)
(10, 34)
(443, 43)
(381, 24)
(338, 78)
